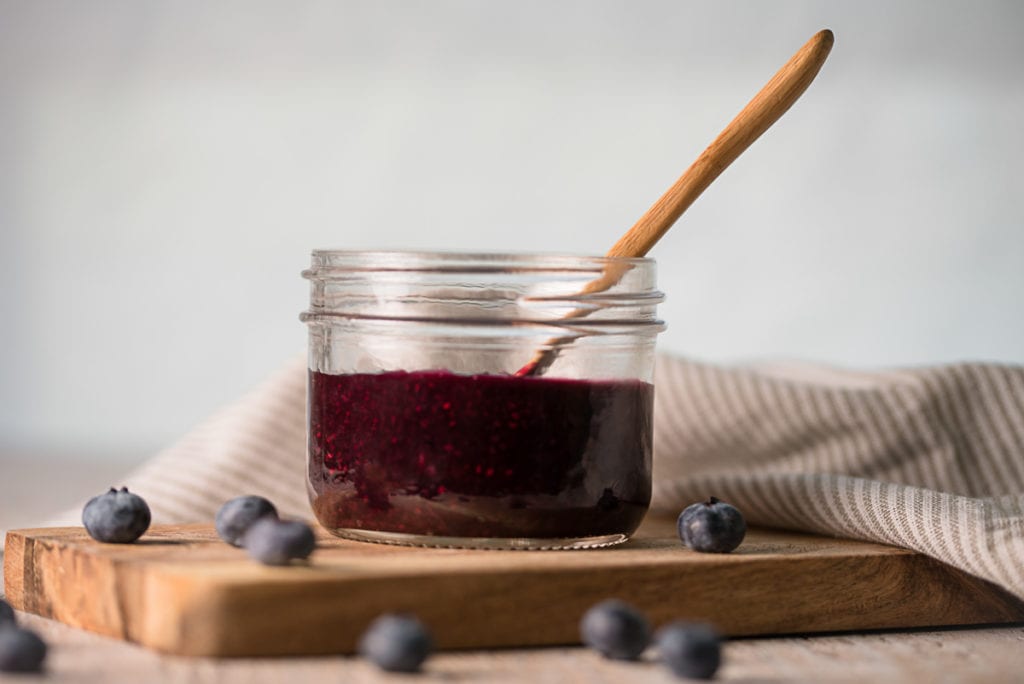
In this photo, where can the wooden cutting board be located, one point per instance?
(180, 590)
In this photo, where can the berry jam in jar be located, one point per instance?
(483, 401)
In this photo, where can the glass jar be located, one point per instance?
(480, 400)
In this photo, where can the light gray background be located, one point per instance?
(165, 169)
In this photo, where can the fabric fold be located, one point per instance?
(930, 459)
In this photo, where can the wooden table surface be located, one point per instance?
(983, 655)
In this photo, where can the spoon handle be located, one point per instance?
(778, 95)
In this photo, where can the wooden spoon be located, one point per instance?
(777, 96)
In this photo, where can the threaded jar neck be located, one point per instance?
(484, 289)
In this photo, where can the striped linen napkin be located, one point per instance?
(929, 459)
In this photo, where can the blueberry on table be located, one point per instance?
(711, 526)
(690, 650)
(21, 650)
(238, 515)
(396, 643)
(117, 517)
(278, 542)
(6, 614)
(616, 630)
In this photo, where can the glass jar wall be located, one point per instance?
(480, 400)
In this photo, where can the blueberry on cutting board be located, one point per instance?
(278, 542)
(711, 526)
(237, 515)
(117, 517)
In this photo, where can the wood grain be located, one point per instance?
(182, 591)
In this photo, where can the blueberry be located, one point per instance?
(711, 526)
(616, 630)
(396, 643)
(6, 614)
(21, 650)
(117, 517)
(690, 650)
(237, 515)
(277, 542)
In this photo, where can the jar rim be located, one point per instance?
(487, 289)
(452, 260)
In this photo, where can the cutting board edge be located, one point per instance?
(189, 631)
(219, 643)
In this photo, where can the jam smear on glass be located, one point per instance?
(441, 454)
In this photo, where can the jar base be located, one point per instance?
(483, 543)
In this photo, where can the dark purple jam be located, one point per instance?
(435, 453)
